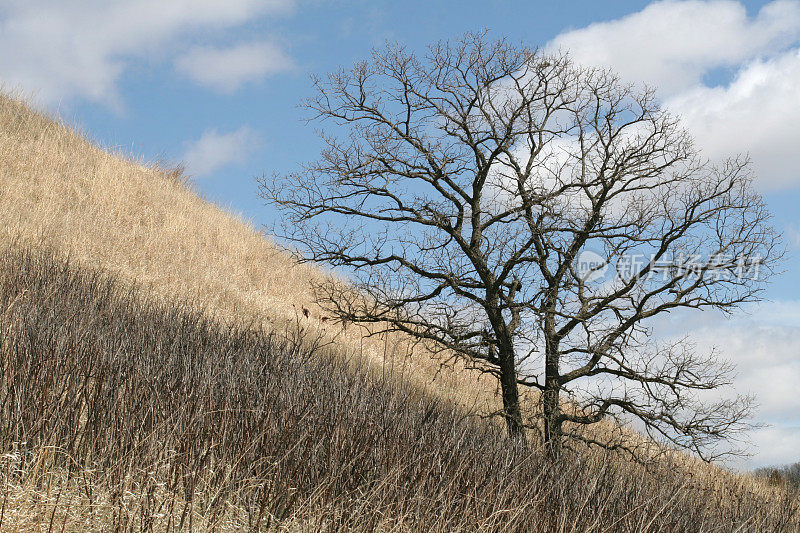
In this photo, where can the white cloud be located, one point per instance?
(214, 150)
(225, 70)
(672, 45)
(756, 114)
(675, 45)
(792, 233)
(777, 446)
(79, 48)
(763, 346)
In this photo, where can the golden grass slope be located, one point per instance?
(60, 191)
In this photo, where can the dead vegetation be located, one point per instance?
(121, 413)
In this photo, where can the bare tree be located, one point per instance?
(481, 197)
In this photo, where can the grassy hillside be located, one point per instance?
(123, 413)
(133, 425)
(60, 190)
(143, 224)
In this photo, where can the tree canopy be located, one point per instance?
(533, 217)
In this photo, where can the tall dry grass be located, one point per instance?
(119, 412)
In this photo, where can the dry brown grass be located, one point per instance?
(61, 192)
(58, 189)
(119, 413)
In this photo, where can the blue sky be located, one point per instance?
(217, 84)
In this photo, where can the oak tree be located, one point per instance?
(534, 217)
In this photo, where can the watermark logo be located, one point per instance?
(591, 266)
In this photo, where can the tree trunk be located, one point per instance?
(550, 398)
(510, 392)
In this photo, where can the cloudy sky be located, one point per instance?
(216, 84)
